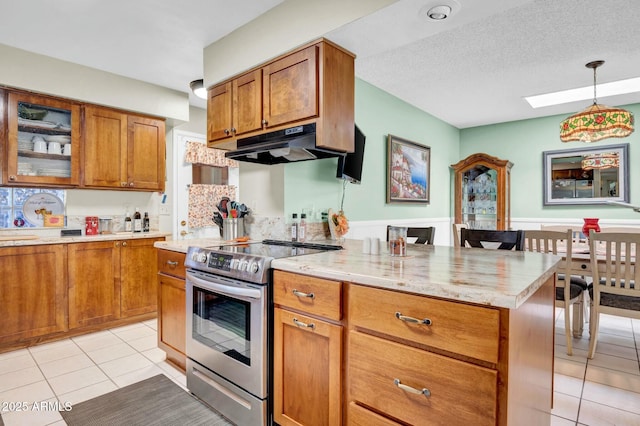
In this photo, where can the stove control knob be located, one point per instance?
(254, 267)
(201, 257)
(234, 264)
(244, 265)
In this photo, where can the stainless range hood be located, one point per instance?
(282, 146)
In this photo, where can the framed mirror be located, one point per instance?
(586, 175)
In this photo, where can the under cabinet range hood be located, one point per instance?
(282, 146)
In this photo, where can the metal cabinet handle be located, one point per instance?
(131, 184)
(404, 318)
(233, 130)
(301, 294)
(172, 264)
(423, 391)
(12, 177)
(226, 131)
(302, 324)
(264, 122)
(124, 244)
(123, 183)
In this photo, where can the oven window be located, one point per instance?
(222, 323)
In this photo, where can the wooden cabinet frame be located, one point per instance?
(503, 186)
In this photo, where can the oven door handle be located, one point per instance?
(251, 293)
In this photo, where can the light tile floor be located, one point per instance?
(599, 392)
(78, 369)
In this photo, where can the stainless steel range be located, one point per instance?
(230, 325)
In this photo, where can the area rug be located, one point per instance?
(154, 401)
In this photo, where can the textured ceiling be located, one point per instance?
(472, 69)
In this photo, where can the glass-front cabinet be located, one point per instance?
(42, 141)
(482, 192)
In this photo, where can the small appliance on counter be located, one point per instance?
(105, 225)
(91, 225)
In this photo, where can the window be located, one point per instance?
(12, 203)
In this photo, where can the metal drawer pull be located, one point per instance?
(423, 391)
(302, 324)
(401, 317)
(301, 294)
(172, 263)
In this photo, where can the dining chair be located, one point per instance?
(567, 296)
(423, 235)
(616, 279)
(501, 240)
(456, 233)
(620, 229)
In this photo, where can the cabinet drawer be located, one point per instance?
(460, 392)
(468, 330)
(294, 291)
(171, 263)
(360, 416)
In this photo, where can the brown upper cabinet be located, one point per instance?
(122, 150)
(53, 142)
(43, 136)
(314, 84)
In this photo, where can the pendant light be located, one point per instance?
(597, 122)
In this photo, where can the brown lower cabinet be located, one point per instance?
(53, 291)
(33, 292)
(308, 331)
(109, 280)
(352, 354)
(172, 306)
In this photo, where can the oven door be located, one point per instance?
(227, 329)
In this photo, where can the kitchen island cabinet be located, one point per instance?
(33, 298)
(172, 306)
(307, 350)
(422, 350)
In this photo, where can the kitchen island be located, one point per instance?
(442, 336)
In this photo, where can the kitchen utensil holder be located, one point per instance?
(232, 228)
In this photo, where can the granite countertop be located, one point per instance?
(183, 245)
(488, 277)
(48, 239)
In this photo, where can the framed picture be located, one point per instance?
(408, 165)
(593, 175)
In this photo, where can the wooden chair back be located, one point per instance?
(456, 233)
(504, 240)
(423, 235)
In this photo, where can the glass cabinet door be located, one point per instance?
(42, 141)
(479, 198)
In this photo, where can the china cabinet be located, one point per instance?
(482, 192)
(312, 84)
(43, 135)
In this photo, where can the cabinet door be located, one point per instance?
(39, 127)
(247, 103)
(138, 281)
(219, 112)
(307, 370)
(291, 88)
(32, 291)
(105, 148)
(94, 283)
(146, 153)
(171, 318)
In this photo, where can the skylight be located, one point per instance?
(620, 87)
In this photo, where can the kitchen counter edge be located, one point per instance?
(82, 239)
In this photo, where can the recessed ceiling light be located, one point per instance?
(613, 88)
(438, 13)
(439, 10)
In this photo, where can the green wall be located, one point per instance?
(522, 142)
(312, 184)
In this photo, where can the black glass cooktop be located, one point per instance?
(275, 249)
